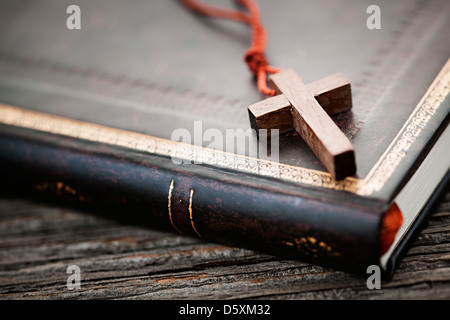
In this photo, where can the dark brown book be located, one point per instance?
(93, 117)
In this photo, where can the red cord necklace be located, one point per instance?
(305, 108)
(254, 57)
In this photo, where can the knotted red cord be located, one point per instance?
(254, 57)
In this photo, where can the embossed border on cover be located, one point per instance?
(373, 182)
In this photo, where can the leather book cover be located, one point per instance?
(131, 114)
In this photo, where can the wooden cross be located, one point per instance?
(306, 108)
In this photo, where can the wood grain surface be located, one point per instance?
(316, 128)
(38, 242)
(333, 94)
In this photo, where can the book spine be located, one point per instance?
(213, 204)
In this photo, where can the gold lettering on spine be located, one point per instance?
(169, 205)
(191, 195)
(311, 246)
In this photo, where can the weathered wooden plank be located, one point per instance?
(39, 242)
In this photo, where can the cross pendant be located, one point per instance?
(306, 108)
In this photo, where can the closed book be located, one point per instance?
(141, 115)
